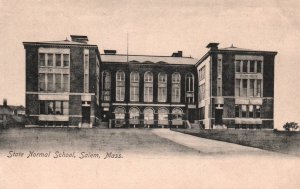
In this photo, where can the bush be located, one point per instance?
(290, 126)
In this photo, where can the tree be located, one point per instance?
(291, 126)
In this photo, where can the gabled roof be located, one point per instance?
(119, 58)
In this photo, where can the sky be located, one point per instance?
(156, 27)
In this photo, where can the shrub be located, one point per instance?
(290, 126)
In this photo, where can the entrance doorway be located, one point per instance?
(86, 113)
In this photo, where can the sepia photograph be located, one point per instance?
(149, 94)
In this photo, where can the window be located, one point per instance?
(237, 66)
(54, 107)
(202, 73)
(120, 86)
(257, 111)
(148, 87)
(119, 113)
(50, 60)
(58, 60)
(66, 84)
(163, 116)
(237, 87)
(86, 73)
(148, 116)
(176, 86)
(162, 87)
(244, 93)
(245, 66)
(42, 59)
(251, 111)
(219, 68)
(258, 67)
(134, 86)
(244, 111)
(50, 86)
(58, 87)
(252, 66)
(202, 92)
(66, 59)
(258, 88)
(251, 87)
(42, 82)
(237, 111)
(134, 116)
(189, 86)
(106, 79)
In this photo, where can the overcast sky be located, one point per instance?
(157, 28)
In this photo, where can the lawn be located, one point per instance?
(133, 141)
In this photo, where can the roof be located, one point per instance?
(118, 58)
(232, 48)
(61, 42)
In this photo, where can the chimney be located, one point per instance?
(213, 46)
(110, 52)
(79, 38)
(5, 102)
(177, 54)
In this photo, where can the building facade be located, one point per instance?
(236, 88)
(148, 91)
(62, 83)
(69, 83)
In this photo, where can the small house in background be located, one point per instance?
(11, 115)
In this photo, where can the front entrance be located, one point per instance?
(86, 113)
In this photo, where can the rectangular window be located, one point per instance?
(175, 94)
(252, 66)
(238, 66)
(50, 86)
(148, 94)
(50, 60)
(65, 108)
(42, 59)
(58, 82)
(42, 82)
(237, 111)
(245, 66)
(258, 88)
(58, 60)
(237, 87)
(162, 94)
(219, 68)
(251, 87)
(58, 107)
(50, 107)
(66, 60)
(244, 111)
(244, 87)
(86, 73)
(257, 111)
(134, 93)
(120, 93)
(258, 67)
(251, 111)
(66, 84)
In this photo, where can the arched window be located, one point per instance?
(119, 113)
(163, 116)
(148, 116)
(134, 86)
(177, 116)
(162, 87)
(134, 116)
(176, 85)
(189, 88)
(120, 86)
(106, 84)
(148, 87)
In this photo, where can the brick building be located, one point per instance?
(236, 88)
(69, 83)
(148, 91)
(62, 82)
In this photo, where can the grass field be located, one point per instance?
(135, 141)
